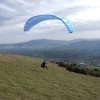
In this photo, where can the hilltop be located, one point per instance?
(22, 78)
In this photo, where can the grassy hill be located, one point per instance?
(22, 78)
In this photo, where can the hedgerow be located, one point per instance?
(78, 69)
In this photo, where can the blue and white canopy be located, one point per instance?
(39, 18)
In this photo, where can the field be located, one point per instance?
(96, 67)
(22, 78)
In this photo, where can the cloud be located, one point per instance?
(71, 11)
(87, 26)
(14, 13)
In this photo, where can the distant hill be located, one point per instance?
(34, 44)
(79, 49)
(45, 44)
(22, 78)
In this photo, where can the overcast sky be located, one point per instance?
(84, 14)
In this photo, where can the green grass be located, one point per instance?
(22, 78)
(96, 67)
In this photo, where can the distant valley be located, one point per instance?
(57, 50)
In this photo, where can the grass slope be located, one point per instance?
(22, 78)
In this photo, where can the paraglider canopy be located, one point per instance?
(36, 19)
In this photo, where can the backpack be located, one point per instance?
(43, 65)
